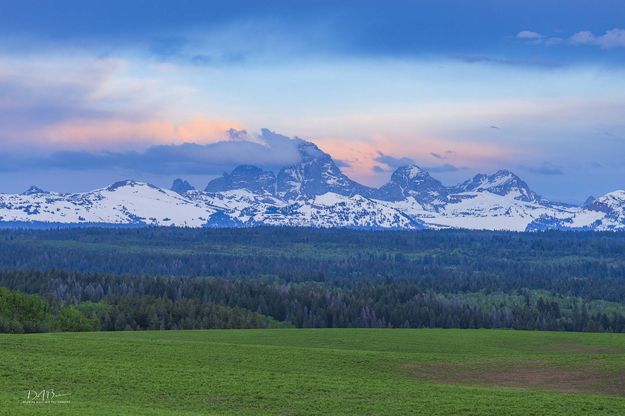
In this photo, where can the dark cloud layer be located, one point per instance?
(396, 162)
(447, 167)
(270, 151)
(443, 155)
(393, 162)
(474, 31)
(547, 168)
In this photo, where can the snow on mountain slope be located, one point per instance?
(414, 182)
(316, 174)
(238, 207)
(503, 183)
(481, 211)
(125, 202)
(612, 205)
(136, 203)
(334, 210)
(490, 211)
(314, 192)
(244, 208)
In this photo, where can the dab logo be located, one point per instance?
(45, 397)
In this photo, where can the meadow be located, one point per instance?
(314, 372)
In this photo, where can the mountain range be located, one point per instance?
(314, 192)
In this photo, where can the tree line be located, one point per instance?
(112, 302)
(171, 278)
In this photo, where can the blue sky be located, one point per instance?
(92, 92)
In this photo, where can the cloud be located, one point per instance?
(112, 130)
(268, 150)
(614, 38)
(342, 163)
(543, 62)
(234, 134)
(443, 168)
(547, 168)
(86, 103)
(393, 162)
(443, 155)
(529, 35)
(37, 94)
(535, 38)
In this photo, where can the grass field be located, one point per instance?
(310, 372)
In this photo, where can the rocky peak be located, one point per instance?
(611, 203)
(316, 174)
(247, 177)
(181, 186)
(413, 181)
(503, 182)
(34, 190)
(129, 183)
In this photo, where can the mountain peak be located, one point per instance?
(246, 170)
(611, 199)
(129, 183)
(413, 181)
(181, 186)
(503, 182)
(612, 204)
(120, 184)
(251, 178)
(504, 175)
(504, 172)
(411, 172)
(589, 200)
(35, 190)
(316, 174)
(309, 151)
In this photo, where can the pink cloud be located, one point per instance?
(102, 133)
(361, 154)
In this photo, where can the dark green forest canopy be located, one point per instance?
(160, 278)
(305, 253)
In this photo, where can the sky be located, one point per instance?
(95, 92)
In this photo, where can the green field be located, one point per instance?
(317, 371)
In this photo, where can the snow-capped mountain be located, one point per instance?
(34, 190)
(501, 183)
(122, 203)
(314, 192)
(613, 206)
(246, 177)
(316, 174)
(413, 182)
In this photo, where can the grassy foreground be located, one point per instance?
(320, 371)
